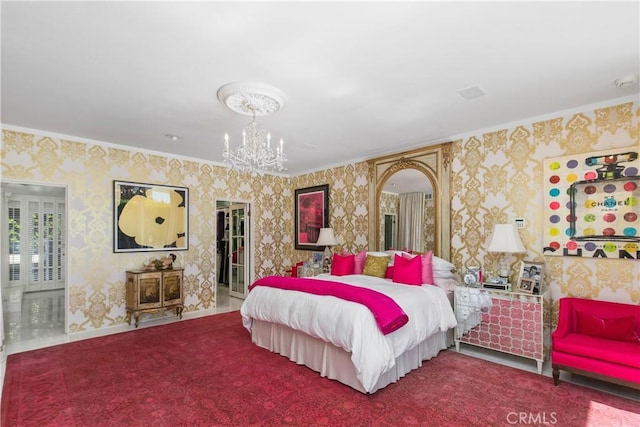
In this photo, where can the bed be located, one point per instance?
(341, 339)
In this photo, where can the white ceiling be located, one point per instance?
(361, 79)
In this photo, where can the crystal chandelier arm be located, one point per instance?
(255, 154)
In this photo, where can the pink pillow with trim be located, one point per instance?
(427, 266)
(342, 265)
(617, 329)
(407, 271)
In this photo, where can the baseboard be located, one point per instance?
(143, 323)
(3, 369)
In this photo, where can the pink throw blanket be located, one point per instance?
(388, 314)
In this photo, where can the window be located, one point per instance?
(36, 242)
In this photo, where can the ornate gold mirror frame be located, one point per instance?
(435, 163)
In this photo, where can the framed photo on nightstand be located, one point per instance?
(473, 276)
(317, 258)
(531, 271)
(526, 286)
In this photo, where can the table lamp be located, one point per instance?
(327, 239)
(506, 240)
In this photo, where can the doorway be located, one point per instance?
(233, 253)
(390, 231)
(34, 276)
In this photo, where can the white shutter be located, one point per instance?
(60, 243)
(36, 242)
(33, 242)
(14, 222)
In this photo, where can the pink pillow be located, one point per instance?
(618, 328)
(342, 265)
(358, 261)
(389, 274)
(407, 271)
(427, 266)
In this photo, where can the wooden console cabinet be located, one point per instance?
(152, 291)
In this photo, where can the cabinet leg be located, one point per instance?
(458, 346)
(136, 316)
(539, 366)
(179, 312)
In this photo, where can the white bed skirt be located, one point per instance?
(335, 363)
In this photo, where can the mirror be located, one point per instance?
(423, 170)
(403, 227)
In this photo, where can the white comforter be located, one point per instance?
(351, 326)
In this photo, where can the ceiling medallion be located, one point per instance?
(251, 98)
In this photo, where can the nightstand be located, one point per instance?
(510, 322)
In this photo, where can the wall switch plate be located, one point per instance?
(519, 222)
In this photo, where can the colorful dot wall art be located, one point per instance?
(592, 205)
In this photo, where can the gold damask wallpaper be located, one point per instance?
(96, 280)
(429, 225)
(96, 274)
(348, 201)
(496, 177)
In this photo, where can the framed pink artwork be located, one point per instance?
(311, 214)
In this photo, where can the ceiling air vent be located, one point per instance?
(472, 92)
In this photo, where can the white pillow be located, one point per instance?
(441, 264)
(436, 262)
(392, 256)
(443, 274)
(377, 253)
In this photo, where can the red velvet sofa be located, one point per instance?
(598, 339)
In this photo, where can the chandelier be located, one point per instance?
(255, 154)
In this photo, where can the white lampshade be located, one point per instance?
(506, 239)
(326, 237)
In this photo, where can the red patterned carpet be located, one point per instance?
(206, 372)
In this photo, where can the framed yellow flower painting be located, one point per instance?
(149, 217)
